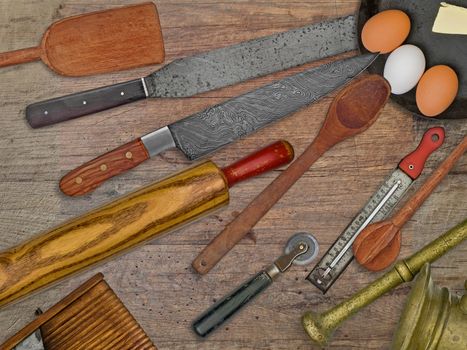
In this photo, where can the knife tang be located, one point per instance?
(76, 105)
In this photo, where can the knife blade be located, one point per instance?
(208, 71)
(379, 206)
(217, 126)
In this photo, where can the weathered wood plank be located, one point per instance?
(156, 282)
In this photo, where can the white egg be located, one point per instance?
(404, 68)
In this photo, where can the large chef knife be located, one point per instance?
(208, 71)
(208, 130)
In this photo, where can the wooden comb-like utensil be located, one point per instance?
(98, 42)
(378, 245)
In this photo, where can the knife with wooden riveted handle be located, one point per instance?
(217, 126)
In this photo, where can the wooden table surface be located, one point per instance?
(156, 281)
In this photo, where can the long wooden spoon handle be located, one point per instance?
(248, 218)
(353, 110)
(20, 56)
(406, 212)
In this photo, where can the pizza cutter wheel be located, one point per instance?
(301, 249)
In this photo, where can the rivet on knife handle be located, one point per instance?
(414, 162)
(90, 175)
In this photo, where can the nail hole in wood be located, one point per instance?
(129, 155)
(103, 167)
(78, 180)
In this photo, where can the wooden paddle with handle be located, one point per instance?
(128, 222)
(353, 111)
(98, 42)
(378, 245)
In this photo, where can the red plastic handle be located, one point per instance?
(414, 163)
(266, 159)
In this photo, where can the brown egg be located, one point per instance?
(436, 90)
(386, 31)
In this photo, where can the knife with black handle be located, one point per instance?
(207, 71)
(217, 126)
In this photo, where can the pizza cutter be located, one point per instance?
(301, 249)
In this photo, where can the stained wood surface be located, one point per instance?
(156, 282)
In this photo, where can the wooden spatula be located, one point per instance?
(98, 42)
(378, 245)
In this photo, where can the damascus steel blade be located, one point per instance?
(206, 131)
(229, 65)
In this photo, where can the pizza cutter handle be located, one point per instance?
(225, 308)
(414, 162)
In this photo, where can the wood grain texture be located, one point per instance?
(90, 175)
(112, 229)
(90, 317)
(378, 245)
(99, 42)
(155, 282)
(353, 111)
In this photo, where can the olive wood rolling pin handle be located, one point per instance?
(353, 111)
(127, 222)
(378, 245)
(20, 56)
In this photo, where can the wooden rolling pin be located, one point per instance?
(378, 245)
(353, 111)
(127, 222)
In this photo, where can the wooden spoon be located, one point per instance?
(353, 111)
(98, 42)
(378, 245)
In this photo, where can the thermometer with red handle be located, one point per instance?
(380, 205)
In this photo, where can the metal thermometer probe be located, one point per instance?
(339, 255)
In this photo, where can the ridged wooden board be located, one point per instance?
(90, 317)
(98, 320)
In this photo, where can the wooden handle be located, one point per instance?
(72, 106)
(20, 56)
(91, 174)
(111, 229)
(353, 110)
(414, 162)
(266, 159)
(411, 206)
(378, 245)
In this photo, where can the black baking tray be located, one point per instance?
(438, 48)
